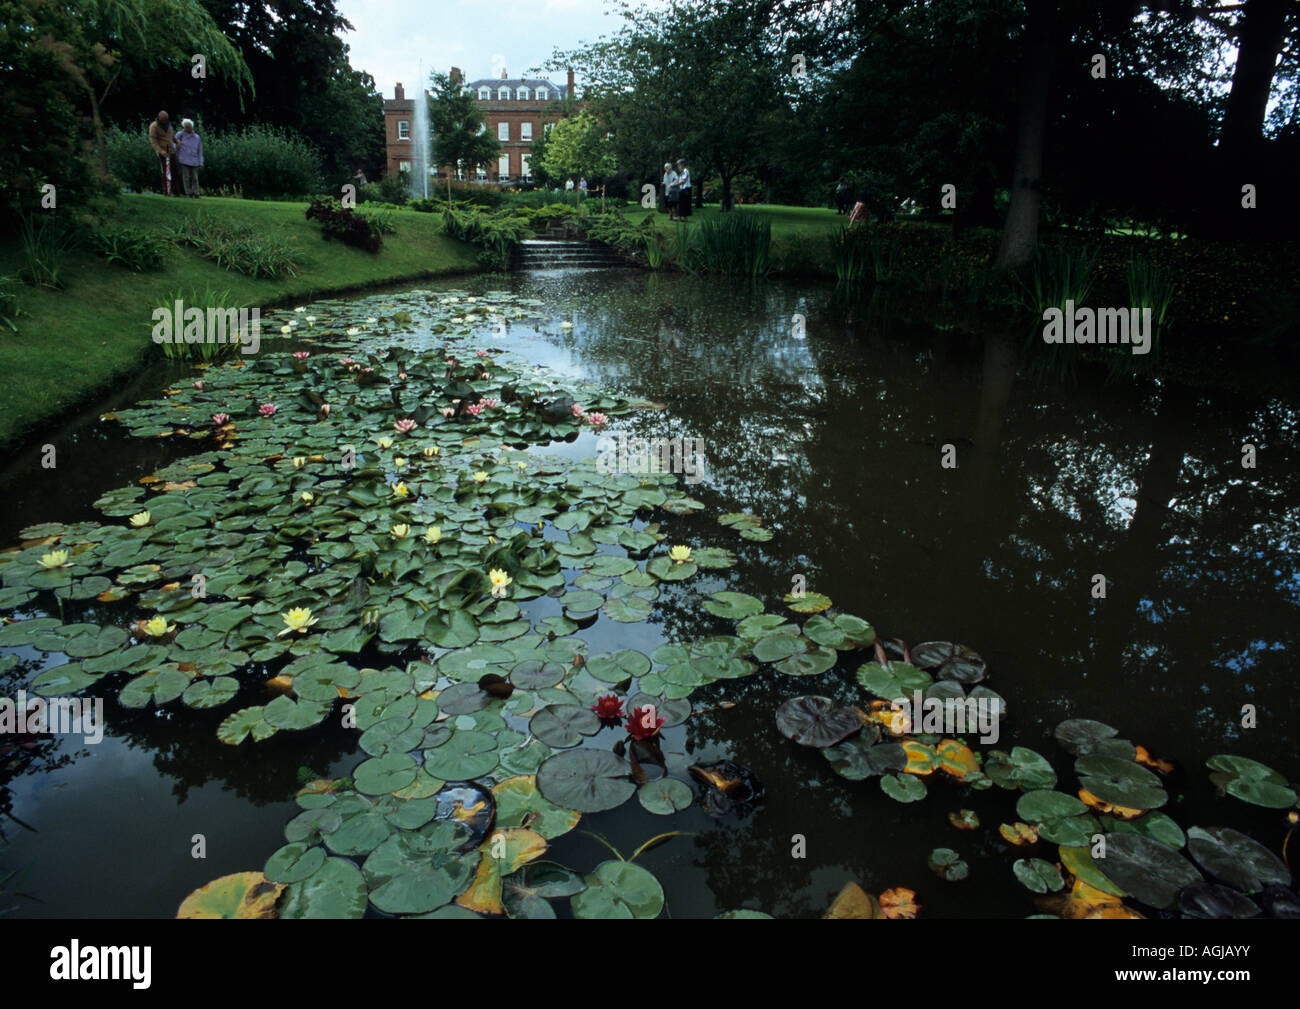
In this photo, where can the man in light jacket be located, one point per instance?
(189, 152)
(162, 138)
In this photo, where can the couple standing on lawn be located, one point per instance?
(185, 148)
(677, 190)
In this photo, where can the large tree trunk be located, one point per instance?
(1020, 231)
(1263, 30)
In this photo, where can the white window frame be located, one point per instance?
(503, 131)
(543, 95)
(484, 94)
(526, 130)
(480, 172)
(525, 169)
(503, 94)
(404, 166)
(503, 166)
(482, 128)
(522, 94)
(403, 129)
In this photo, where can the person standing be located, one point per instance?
(670, 190)
(842, 196)
(189, 152)
(684, 190)
(162, 138)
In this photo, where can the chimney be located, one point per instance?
(503, 73)
(455, 75)
(569, 94)
(398, 92)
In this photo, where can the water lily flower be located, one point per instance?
(286, 330)
(299, 461)
(220, 419)
(430, 451)
(297, 619)
(644, 723)
(474, 409)
(433, 534)
(399, 531)
(609, 709)
(400, 489)
(480, 477)
(577, 409)
(491, 402)
(521, 464)
(597, 420)
(324, 409)
(566, 324)
(156, 627)
(140, 519)
(347, 362)
(371, 321)
(301, 355)
(448, 411)
(500, 582)
(267, 409)
(471, 298)
(354, 331)
(680, 555)
(198, 384)
(401, 375)
(55, 559)
(404, 426)
(399, 461)
(384, 442)
(307, 497)
(481, 353)
(311, 320)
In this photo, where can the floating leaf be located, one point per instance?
(665, 796)
(239, 895)
(816, 721)
(903, 787)
(1150, 871)
(948, 865)
(1236, 859)
(733, 605)
(1038, 875)
(563, 725)
(335, 890)
(585, 780)
(807, 602)
(854, 902)
(520, 804)
(618, 890)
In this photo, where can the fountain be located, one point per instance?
(420, 146)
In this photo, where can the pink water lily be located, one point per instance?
(578, 411)
(346, 361)
(301, 355)
(597, 419)
(404, 426)
(199, 385)
(448, 411)
(481, 353)
(491, 403)
(474, 409)
(220, 419)
(267, 409)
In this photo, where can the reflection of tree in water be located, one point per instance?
(25, 754)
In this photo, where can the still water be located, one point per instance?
(837, 439)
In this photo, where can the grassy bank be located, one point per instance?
(73, 342)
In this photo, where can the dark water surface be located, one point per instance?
(836, 441)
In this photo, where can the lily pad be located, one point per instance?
(665, 796)
(817, 721)
(1236, 859)
(1150, 871)
(618, 890)
(563, 725)
(588, 781)
(335, 890)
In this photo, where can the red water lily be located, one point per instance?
(609, 709)
(644, 723)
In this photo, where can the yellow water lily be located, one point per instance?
(480, 477)
(431, 451)
(399, 461)
(384, 442)
(680, 555)
(297, 619)
(307, 497)
(299, 461)
(55, 559)
(433, 534)
(521, 464)
(156, 627)
(286, 329)
(140, 519)
(400, 489)
(500, 581)
(399, 531)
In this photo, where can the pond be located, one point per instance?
(907, 475)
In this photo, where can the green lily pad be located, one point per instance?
(588, 781)
(1150, 871)
(948, 865)
(1236, 859)
(665, 796)
(563, 725)
(1038, 875)
(733, 605)
(416, 871)
(465, 756)
(618, 890)
(294, 863)
(388, 773)
(903, 787)
(337, 889)
(811, 720)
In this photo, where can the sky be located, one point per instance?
(392, 37)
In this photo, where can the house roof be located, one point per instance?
(514, 83)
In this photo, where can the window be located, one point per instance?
(526, 131)
(523, 94)
(525, 169)
(403, 166)
(543, 94)
(482, 128)
(403, 129)
(503, 166)
(503, 94)
(547, 128)
(484, 93)
(480, 172)
(503, 131)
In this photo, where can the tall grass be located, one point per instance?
(1059, 273)
(238, 247)
(135, 249)
(9, 304)
(850, 254)
(193, 298)
(46, 241)
(735, 243)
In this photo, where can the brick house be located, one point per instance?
(516, 110)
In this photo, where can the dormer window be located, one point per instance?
(484, 94)
(543, 95)
(523, 94)
(503, 94)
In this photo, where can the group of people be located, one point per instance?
(677, 190)
(859, 211)
(178, 154)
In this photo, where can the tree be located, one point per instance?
(578, 147)
(459, 137)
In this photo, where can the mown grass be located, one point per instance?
(72, 342)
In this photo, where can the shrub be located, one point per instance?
(240, 248)
(497, 232)
(351, 228)
(9, 307)
(381, 220)
(390, 189)
(136, 250)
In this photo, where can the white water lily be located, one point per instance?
(55, 559)
(354, 331)
(140, 519)
(566, 324)
(311, 320)
(301, 308)
(286, 329)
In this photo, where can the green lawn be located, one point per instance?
(72, 342)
